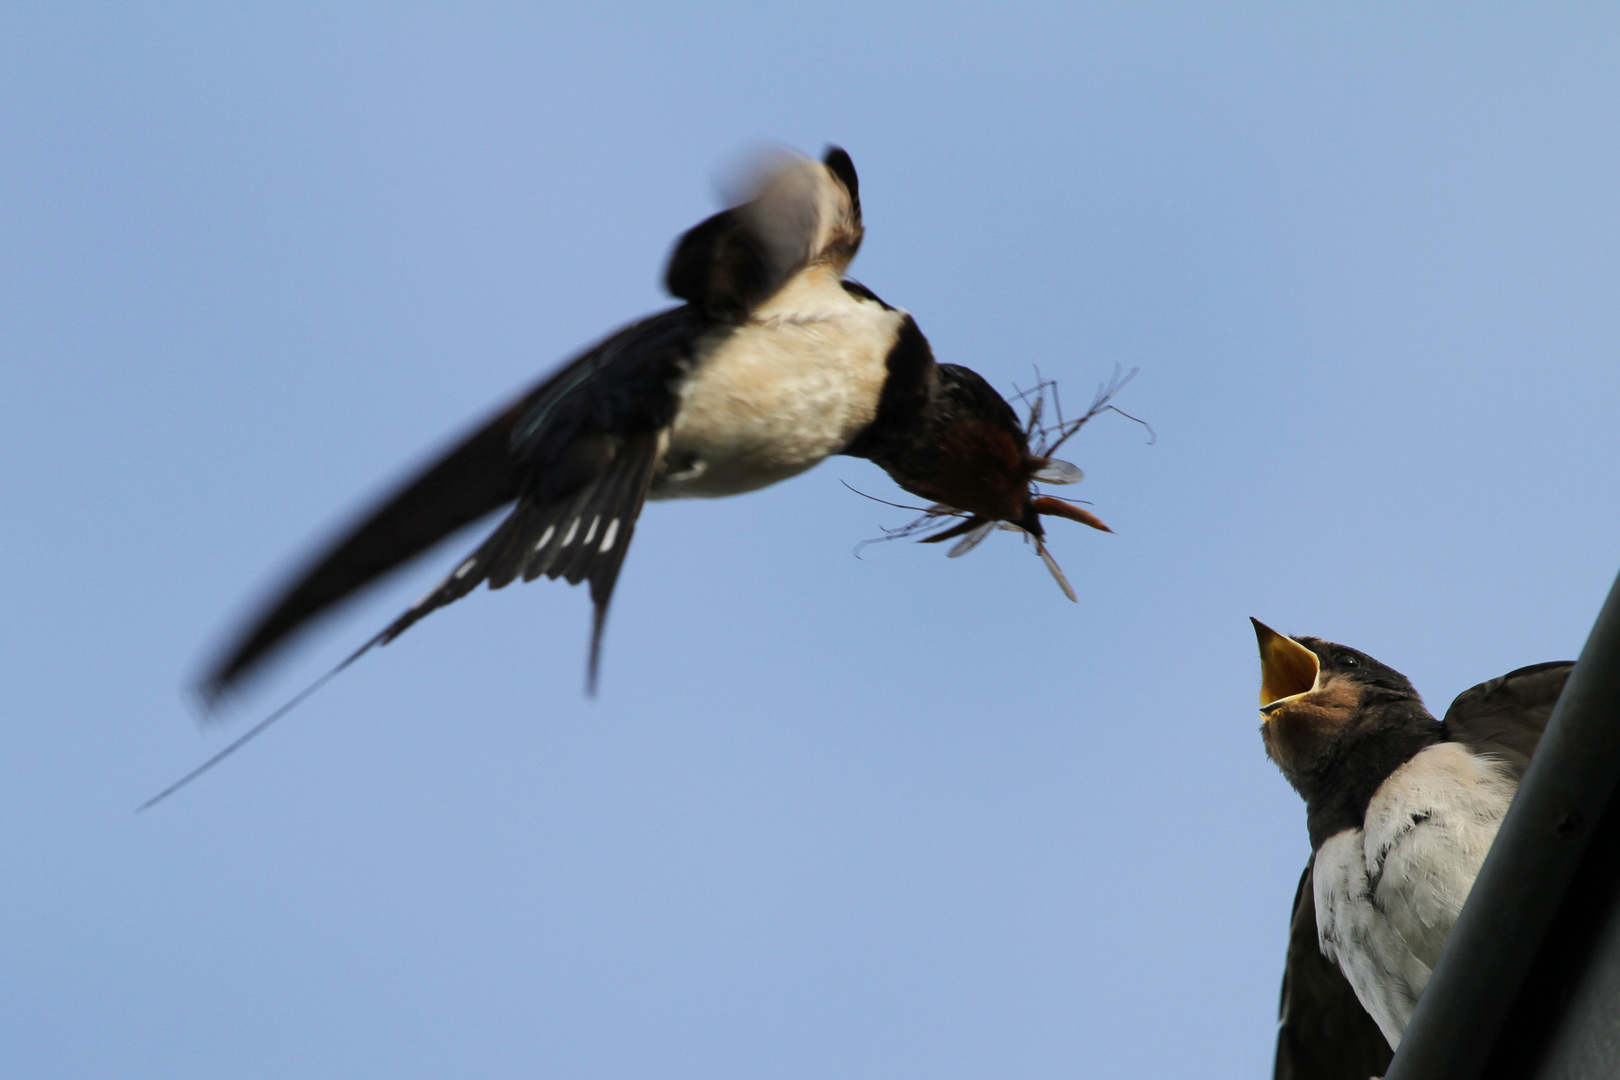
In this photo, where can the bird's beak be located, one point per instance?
(1045, 504)
(1287, 668)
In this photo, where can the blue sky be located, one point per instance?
(830, 817)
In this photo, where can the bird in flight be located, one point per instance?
(1401, 809)
(772, 362)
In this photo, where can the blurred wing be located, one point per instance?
(1323, 1033)
(739, 257)
(550, 444)
(462, 486)
(1505, 716)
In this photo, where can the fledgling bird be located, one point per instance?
(772, 363)
(1401, 809)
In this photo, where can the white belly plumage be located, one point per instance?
(779, 394)
(1388, 893)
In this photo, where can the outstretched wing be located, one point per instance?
(1323, 1033)
(579, 439)
(1505, 716)
(459, 488)
(576, 444)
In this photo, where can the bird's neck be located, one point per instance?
(1339, 787)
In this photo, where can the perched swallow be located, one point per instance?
(772, 363)
(1401, 809)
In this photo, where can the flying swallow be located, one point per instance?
(772, 362)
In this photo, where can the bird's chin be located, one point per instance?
(1274, 709)
(1293, 737)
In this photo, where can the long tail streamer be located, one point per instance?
(253, 732)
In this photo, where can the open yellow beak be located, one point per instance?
(1287, 668)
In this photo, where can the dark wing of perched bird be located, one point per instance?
(1505, 716)
(576, 448)
(1323, 1033)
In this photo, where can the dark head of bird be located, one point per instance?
(968, 454)
(979, 461)
(1336, 721)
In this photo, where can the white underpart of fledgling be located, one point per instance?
(781, 393)
(1388, 893)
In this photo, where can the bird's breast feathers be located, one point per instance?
(780, 393)
(1388, 893)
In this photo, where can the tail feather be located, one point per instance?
(466, 577)
(583, 535)
(520, 544)
(614, 543)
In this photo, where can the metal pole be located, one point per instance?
(1466, 1020)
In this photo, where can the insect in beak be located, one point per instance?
(1053, 471)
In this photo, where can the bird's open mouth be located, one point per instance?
(1287, 668)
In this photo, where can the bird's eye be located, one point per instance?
(1349, 660)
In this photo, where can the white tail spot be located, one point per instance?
(545, 537)
(573, 527)
(610, 535)
(464, 569)
(591, 532)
